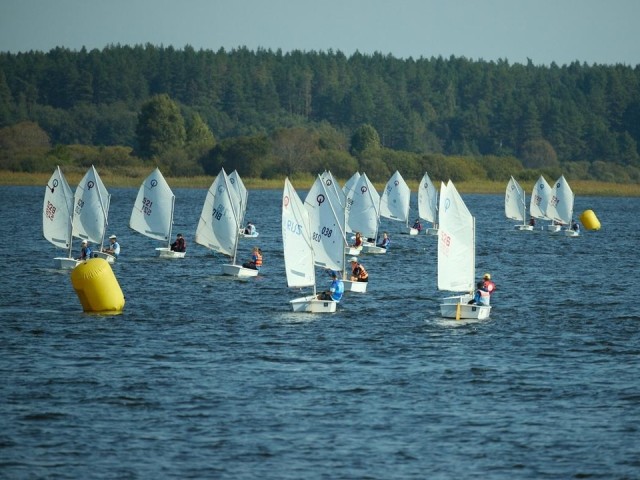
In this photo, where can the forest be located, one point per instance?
(272, 113)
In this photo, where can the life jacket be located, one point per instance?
(362, 273)
(258, 260)
(490, 286)
(485, 297)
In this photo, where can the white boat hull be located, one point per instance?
(311, 304)
(413, 231)
(238, 271)
(373, 249)
(353, 251)
(571, 233)
(105, 256)
(432, 231)
(65, 263)
(527, 228)
(357, 287)
(247, 235)
(553, 228)
(458, 308)
(165, 252)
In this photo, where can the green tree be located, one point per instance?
(364, 138)
(160, 127)
(199, 134)
(539, 153)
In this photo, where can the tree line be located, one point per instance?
(268, 113)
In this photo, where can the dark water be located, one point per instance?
(205, 376)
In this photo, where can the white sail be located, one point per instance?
(152, 213)
(296, 240)
(514, 201)
(364, 215)
(242, 195)
(218, 226)
(91, 210)
(57, 211)
(351, 183)
(394, 202)
(427, 200)
(327, 238)
(456, 243)
(540, 197)
(336, 194)
(560, 207)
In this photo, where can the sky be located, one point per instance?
(543, 31)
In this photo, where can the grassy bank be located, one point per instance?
(579, 187)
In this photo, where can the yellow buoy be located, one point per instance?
(589, 220)
(97, 287)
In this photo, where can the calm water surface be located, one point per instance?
(205, 376)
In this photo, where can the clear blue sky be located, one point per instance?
(560, 31)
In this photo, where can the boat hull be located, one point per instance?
(523, 228)
(458, 308)
(65, 263)
(239, 271)
(164, 252)
(552, 229)
(414, 231)
(432, 231)
(373, 249)
(357, 287)
(104, 256)
(310, 304)
(353, 251)
(571, 233)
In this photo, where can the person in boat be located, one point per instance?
(336, 290)
(488, 283)
(358, 241)
(575, 226)
(180, 245)
(417, 225)
(114, 247)
(384, 243)
(481, 297)
(532, 221)
(85, 252)
(250, 229)
(358, 272)
(256, 259)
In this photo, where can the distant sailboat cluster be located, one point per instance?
(326, 231)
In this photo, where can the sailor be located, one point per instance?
(358, 272)
(85, 253)
(488, 284)
(481, 297)
(114, 247)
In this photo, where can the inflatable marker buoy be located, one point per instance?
(97, 287)
(589, 220)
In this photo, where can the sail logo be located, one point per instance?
(320, 199)
(51, 210)
(154, 183)
(55, 185)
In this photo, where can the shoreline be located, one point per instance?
(579, 187)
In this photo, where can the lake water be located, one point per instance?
(205, 376)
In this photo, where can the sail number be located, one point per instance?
(218, 212)
(325, 232)
(146, 206)
(79, 206)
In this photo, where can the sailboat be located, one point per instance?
(243, 198)
(218, 225)
(57, 218)
(152, 213)
(394, 202)
(428, 204)
(560, 208)
(299, 258)
(540, 197)
(340, 202)
(456, 256)
(91, 212)
(515, 206)
(364, 214)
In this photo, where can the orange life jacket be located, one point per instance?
(362, 274)
(258, 261)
